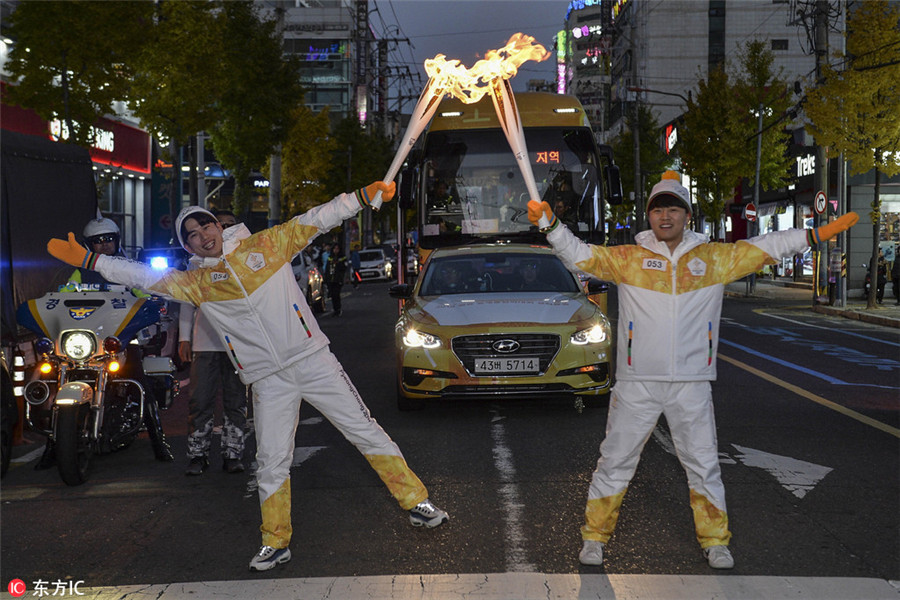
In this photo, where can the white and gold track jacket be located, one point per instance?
(249, 294)
(670, 303)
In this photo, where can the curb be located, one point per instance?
(865, 316)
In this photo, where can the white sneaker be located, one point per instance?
(427, 514)
(719, 557)
(268, 557)
(591, 553)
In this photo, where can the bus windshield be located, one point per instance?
(473, 187)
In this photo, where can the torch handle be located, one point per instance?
(422, 113)
(376, 201)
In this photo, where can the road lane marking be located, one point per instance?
(796, 476)
(762, 311)
(511, 503)
(790, 365)
(818, 399)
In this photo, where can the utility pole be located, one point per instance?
(820, 276)
(275, 158)
(636, 127)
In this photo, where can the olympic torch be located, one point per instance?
(425, 108)
(508, 114)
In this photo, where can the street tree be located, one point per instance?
(760, 87)
(175, 88)
(306, 157)
(654, 161)
(359, 157)
(259, 90)
(855, 110)
(70, 60)
(708, 144)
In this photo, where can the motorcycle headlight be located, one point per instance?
(416, 339)
(78, 345)
(591, 335)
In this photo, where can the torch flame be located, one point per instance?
(471, 84)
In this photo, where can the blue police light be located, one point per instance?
(159, 263)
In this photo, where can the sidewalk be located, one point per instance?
(886, 315)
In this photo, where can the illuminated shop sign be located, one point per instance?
(329, 52)
(618, 7)
(582, 4)
(115, 144)
(806, 165)
(671, 137)
(104, 139)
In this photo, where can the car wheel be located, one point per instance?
(405, 403)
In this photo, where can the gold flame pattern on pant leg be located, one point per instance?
(276, 517)
(601, 515)
(403, 484)
(710, 522)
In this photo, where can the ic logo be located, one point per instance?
(505, 346)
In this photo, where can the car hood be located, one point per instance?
(529, 307)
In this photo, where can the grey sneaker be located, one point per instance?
(719, 557)
(232, 465)
(427, 514)
(591, 553)
(268, 557)
(197, 466)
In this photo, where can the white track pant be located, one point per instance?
(634, 409)
(320, 379)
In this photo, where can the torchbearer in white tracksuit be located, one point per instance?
(670, 286)
(248, 293)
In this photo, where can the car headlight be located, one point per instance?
(78, 345)
(415, 339)
(591, 335)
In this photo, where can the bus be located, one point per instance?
(467, 187)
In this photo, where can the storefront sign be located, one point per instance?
(806, 165)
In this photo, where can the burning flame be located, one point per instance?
(471, 84)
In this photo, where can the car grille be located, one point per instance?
(468, 348)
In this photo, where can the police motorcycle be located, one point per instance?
(94, 370)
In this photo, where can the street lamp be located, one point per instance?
(640, 89)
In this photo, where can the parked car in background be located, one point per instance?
(375, 264)
(412, 263)
(494, 321)
(310, 280)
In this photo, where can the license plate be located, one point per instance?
(522, 364)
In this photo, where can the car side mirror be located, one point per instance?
(595, 286)
(405, 188)
(403, 291)
(614, 196)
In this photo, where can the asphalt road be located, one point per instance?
(807, 409)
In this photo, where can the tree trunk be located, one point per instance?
(876, 227)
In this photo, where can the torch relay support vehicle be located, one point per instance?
(492, 321)
(87, 394)
(492, 335)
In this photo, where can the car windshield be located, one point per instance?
(371, 255)
(497, 272)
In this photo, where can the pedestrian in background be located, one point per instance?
(895, 277)
(335, 273)
(211, 372)
(355, 277)
(881, 274)
(245, 286)
(670, 287)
